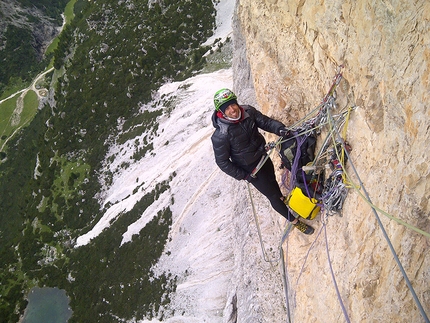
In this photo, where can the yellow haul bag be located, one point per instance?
(301, 204)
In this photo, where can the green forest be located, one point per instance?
(51, 8)
(108, 62)
(19, 59)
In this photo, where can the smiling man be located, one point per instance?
(239, 146)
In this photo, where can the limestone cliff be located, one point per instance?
(290, 50)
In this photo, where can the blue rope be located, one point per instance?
(307, 255)
(424, 315)
(284, 269)
(396, 258)
(333, 277)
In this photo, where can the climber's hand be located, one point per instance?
(284, 132)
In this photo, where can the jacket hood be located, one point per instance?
(215, 119)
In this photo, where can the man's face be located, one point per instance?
(232, 111)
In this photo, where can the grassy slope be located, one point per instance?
(16, 84)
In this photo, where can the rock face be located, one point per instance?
(43, 28)
(290, 51)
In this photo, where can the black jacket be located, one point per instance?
(239, 145)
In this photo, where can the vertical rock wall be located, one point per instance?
(293, 48)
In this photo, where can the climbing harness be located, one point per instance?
(269, 148)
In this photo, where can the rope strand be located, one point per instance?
(338, 184)
(263, 250)
(333, 276)
(381, 226)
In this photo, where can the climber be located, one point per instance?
(239, 146)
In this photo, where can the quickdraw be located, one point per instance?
(332, 191)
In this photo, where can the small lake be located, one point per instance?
(47, 305)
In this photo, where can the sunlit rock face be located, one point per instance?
(293, 49)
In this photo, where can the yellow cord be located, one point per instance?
(348, 181)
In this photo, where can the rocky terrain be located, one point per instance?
(284, 58)
(42, 27)
(293, 49)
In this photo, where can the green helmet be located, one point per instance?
(223, 96)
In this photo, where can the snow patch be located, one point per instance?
(224, 29)
(213, 246)
(187, 131)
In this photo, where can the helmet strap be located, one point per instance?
(232, 119)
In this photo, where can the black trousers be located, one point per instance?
(267, 185)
